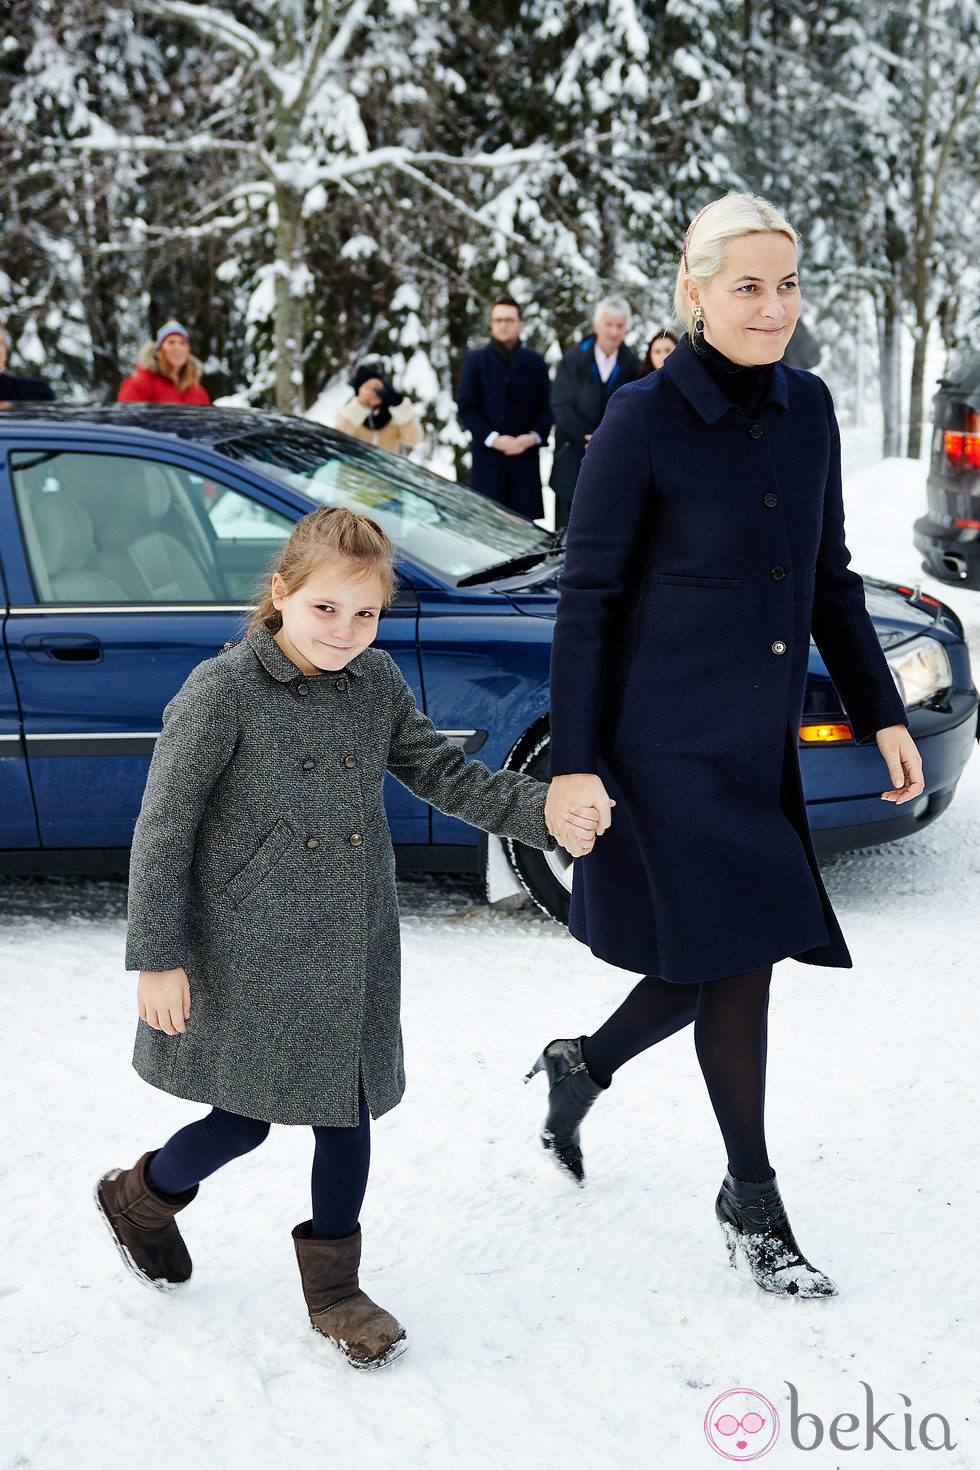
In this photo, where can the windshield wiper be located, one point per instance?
(511, 567)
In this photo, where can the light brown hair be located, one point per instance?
(329, 533)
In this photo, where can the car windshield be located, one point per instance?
(445, 527)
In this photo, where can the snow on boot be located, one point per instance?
(368, 1336)
(571, 1093)
(753, 1219)
(142, 1223)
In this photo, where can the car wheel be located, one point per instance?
(546, 876)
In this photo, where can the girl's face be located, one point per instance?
(175, 350)
(753, 304)
(330, 619)
(660, 349)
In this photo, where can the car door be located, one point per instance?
(128, 568)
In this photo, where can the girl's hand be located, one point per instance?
(904, 764)
(164, 999)
(582, 791)
(580, 829)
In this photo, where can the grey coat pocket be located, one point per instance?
(271, 849)
(721, 584)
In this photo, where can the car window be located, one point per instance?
(114, 528)
(443, 526)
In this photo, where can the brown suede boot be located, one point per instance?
(143, 1226)
(367, 1336)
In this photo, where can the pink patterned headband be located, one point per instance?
(690, 227)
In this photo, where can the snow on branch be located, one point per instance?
(218, 26)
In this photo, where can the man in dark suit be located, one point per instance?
(502, 397)
(589, 373)
(17, 389)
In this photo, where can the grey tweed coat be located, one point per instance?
(262, 863)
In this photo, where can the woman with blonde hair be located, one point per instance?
(706, 543)
(165, 371)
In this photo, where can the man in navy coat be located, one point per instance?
(503, 400)
(589, 374)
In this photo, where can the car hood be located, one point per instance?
(896, 619)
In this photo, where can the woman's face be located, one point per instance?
(660, 350)
(752, 305)
(175, 350)
(331, 618)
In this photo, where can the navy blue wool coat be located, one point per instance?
(496, 397)
(578, 401)
(703, 548)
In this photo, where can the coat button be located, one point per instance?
(308, 765)
(350, 761)
(770, 500)
(778, 573)
(313, 842)
(779, 646)
(302, 688)
(756, 431)
(356, 839)
(341, 683)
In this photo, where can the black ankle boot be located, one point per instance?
(571, 1093)
(754, 1222)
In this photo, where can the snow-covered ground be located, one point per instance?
(549, 1326)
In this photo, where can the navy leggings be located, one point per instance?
(730, 1025)
(341, 1160)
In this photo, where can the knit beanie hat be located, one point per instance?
(172, 329)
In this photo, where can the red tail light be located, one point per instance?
(963, 446)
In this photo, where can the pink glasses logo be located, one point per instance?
(741, 1425)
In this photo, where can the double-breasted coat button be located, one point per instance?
(778, 573)
(341, 683)
(356, 839)
(770, 500)
(350, 761)
(313, 842)
(308, 765)
(756, 431)
(302, 688)
(779, 646)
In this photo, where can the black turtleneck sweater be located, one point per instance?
(746, 387)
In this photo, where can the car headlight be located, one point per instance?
(921, 670)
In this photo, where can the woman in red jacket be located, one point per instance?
(165, 371)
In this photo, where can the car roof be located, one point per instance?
(198, 424)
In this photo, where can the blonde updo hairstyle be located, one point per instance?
(708, 234)
(330, 533)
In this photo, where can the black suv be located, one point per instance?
(949, 536)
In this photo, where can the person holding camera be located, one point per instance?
(378, 413)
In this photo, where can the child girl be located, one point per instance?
(262, 910)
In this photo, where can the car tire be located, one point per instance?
(545, 876)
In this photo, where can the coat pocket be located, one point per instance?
(271, 849)
(721, 584)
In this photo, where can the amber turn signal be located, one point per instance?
(825, 734)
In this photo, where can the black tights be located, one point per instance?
(730, 1039)
(341, 1160)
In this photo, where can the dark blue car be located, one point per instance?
(133, 537)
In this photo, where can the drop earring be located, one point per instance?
(698, 320)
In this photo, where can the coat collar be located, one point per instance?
(690, 376)
(275, 662)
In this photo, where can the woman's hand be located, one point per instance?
(567, 794)
(164, 999)
(904, 764)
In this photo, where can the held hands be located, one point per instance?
(513, 443)
(904, 764)
(577, 810)
(163, 998)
